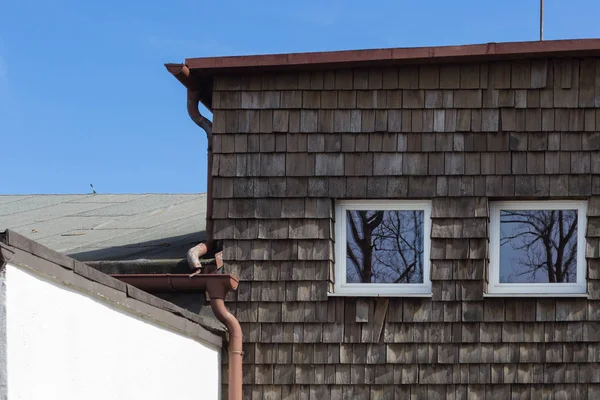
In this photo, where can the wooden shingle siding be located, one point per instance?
(287, 146)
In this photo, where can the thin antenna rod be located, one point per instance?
(541, 20)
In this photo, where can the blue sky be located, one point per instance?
(84, 96)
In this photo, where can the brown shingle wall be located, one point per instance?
(287, 145)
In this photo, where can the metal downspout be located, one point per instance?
(182, 73)
(193, 101)
(217, 295)
(194, 254)
(215, 289)
(234, 350)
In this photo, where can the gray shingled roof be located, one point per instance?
(101, 227)
(108, 226)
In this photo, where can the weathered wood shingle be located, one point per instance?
(462, 135)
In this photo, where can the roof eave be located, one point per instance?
(197, 73)
(395, 56)
(193, 81)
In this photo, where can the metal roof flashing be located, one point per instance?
(498, 50)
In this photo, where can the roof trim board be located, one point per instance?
(21, 251)
(405, 54)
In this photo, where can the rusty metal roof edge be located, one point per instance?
(408, 54)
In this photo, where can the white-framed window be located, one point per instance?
(382, 248)
(537, 248)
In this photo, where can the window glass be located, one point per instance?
(538, 246)
(384, 246)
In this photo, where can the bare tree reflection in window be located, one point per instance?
(538, 246)
(384, 246)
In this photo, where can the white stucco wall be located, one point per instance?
(66, 345)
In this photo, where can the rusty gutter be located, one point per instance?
(217, 286)
(145, 266)
(164, 283)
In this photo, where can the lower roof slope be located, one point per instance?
(21, 251)
(93, 227)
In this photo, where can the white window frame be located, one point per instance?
(536, 289)
(341, 288)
